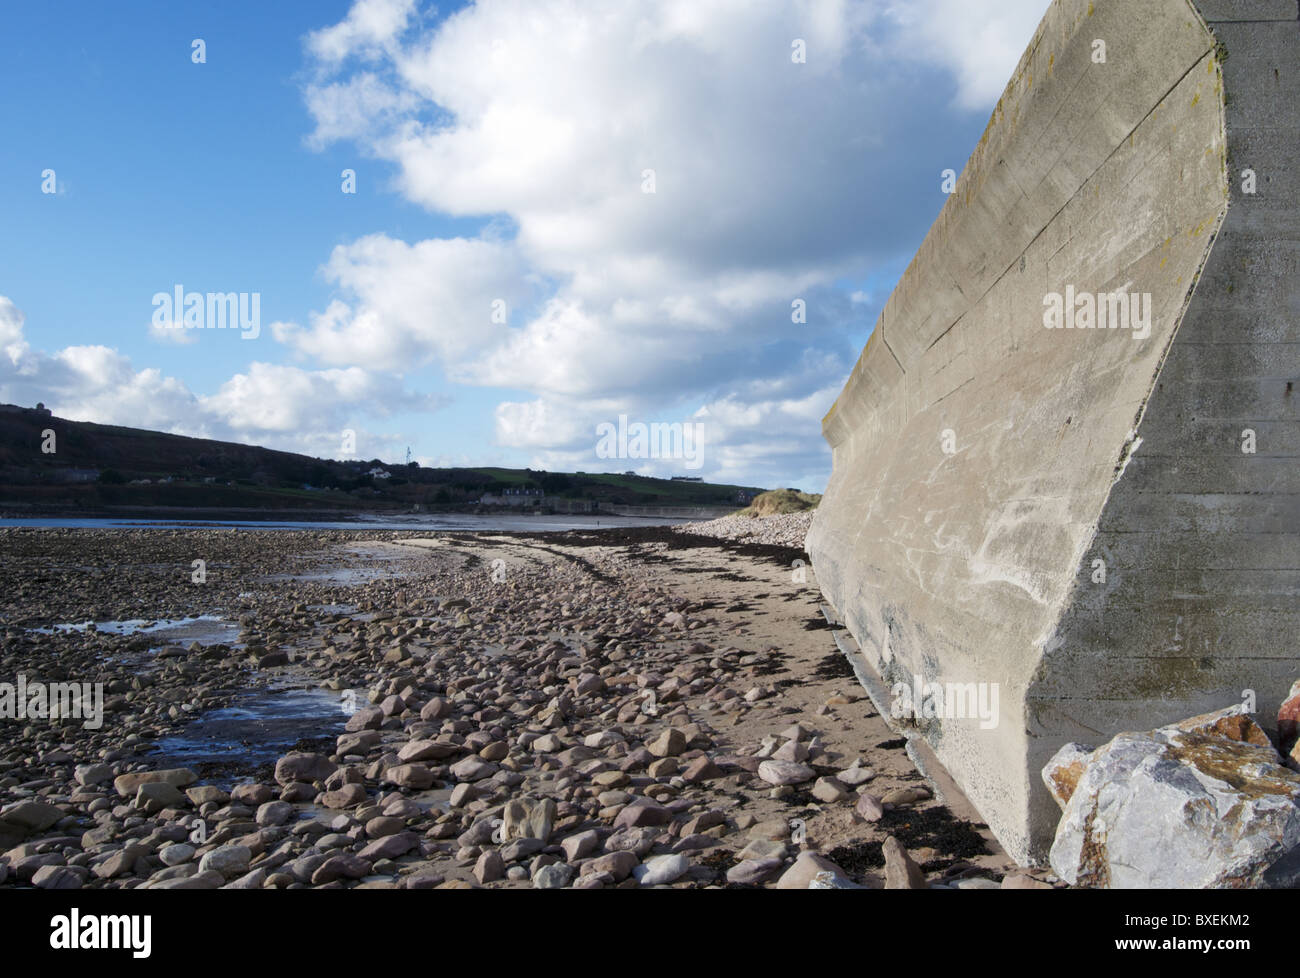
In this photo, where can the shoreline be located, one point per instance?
(504, 734)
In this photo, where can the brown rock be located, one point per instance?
(900, 872)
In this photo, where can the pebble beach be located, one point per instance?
(605, 708)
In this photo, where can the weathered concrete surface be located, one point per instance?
(983, 464)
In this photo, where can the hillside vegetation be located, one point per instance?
(779, 501)
(107, 467)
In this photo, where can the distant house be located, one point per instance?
(513, 497)
(378, 473)
(743, 496)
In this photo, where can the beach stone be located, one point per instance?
(906, 796)
(661, 870)
(228, 860)
(869, 807)
(785, 772)
(829, 790)
(752, 871)
(154, 796)
(366, 718)
(274, 813)
(855, 775)
(204, 794)
(416, 776)
(901, 873)
(25, 867)
(806, 866)
(59, 878)
(90, 775)
(556, 876)
(701, 769)
(702, 822)
(436, 709)
(521, 849)
(490, 867)
(427, 750)
(528, 818)
(254, 879)
(579, 845)
(1019, 881)
(251, 794)
(498, 750)
(346, 797)
(359, 743)
(663, 767)
(472, 769)
(792, 751)
(390, 847)
(27, 817)
(670, 743)
(209, 880)
(689, 843)
(642, 811)
(382, 825)
(462, 795)
(176, 854)
(303, 766)
(617, 865)
(127, 785)
(478, 833)
(1199, 804)
(120, 863)
(344, 865)
(833, 881)
(638, 841)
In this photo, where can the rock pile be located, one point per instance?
(781, 530)
(1206, 802)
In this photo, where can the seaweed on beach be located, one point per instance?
(833, 666)
(953, 840)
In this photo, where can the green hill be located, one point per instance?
(96, 468)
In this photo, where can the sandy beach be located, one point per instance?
(596, 708)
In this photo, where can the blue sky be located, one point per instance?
(500, 152)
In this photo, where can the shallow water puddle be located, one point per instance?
(204, 629)
(255, 730)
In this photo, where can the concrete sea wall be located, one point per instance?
(1103, 522)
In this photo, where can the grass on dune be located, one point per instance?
(781, 501)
